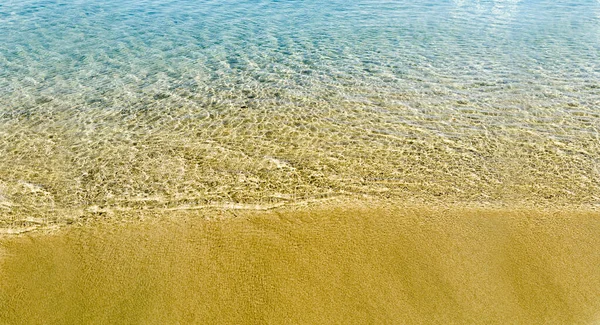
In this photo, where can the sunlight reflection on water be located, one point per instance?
(183, 103)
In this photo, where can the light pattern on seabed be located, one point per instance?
(173, 105)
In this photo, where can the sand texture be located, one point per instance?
(370, 263)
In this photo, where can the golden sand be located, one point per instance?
(368, 263)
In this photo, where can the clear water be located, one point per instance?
(179, 104)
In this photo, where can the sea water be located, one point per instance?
(176, 104)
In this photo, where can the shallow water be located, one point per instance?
(170, 104)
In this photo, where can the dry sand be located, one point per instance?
(369, 263)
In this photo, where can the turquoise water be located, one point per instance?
(167, 104)
(87, 51)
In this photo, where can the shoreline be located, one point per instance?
(52, 220)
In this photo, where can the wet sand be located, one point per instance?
(367, 263)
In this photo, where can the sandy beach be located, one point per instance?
(372, 262)
(299, 162)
